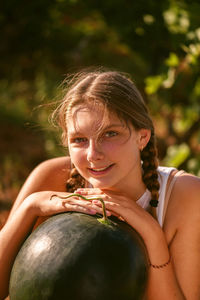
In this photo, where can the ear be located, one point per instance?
(143, 137)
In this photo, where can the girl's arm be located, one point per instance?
(21, 223)
(51, 175)
(11, 238)
(162, 283)
(33, 202)
(179, 238)
(183, 219)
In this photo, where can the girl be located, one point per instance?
(110, 137)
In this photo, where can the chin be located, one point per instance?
(100, 185)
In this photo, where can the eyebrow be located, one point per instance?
(75, 133)
(113, 125)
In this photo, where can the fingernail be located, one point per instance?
(77, 192)
(96, 201)
(108, 213)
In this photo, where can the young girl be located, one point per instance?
(110, 137)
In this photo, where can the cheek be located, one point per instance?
(113, 147)
(122, 150)
(129, 154)
(77, 156)
(109, 148)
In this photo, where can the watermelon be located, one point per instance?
(74, 256)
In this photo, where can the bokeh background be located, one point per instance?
(157, 42)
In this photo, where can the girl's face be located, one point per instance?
(109, 159)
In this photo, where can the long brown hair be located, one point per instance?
(117, 92)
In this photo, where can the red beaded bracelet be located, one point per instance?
(160, 266)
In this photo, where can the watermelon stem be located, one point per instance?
(103, 220)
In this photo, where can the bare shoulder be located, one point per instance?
(182, 230)
(52, 173)
(187, 188)
(48, 175)
(184, 204)
(60, 164)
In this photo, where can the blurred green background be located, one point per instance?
(157, 42)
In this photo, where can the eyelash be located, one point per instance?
(107, 134)
(78, 140)
(111, 133)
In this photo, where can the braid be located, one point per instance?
(75, 181)
(150, 174)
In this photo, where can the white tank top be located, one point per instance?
(164, 173)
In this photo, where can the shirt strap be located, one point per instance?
(172, 179)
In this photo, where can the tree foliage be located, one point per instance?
(42, 41)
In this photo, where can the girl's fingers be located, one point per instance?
(78, 208)
(88, 191)
(76, 203)
(111, 207)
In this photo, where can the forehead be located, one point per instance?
(92, 118)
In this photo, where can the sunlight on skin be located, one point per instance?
(109, 158)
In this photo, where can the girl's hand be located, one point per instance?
(118, 205)
(48, 203)
(125, 209)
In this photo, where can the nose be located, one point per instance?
(94, 151)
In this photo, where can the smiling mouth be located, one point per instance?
(100, 170)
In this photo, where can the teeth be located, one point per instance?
(98, 170)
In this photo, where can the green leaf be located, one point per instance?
(153, 83)
(172, 60)
(176, 155)
(197, 87)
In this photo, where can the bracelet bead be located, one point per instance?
(160, 266)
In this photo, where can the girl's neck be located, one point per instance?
(133, 191)
(133, 188)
